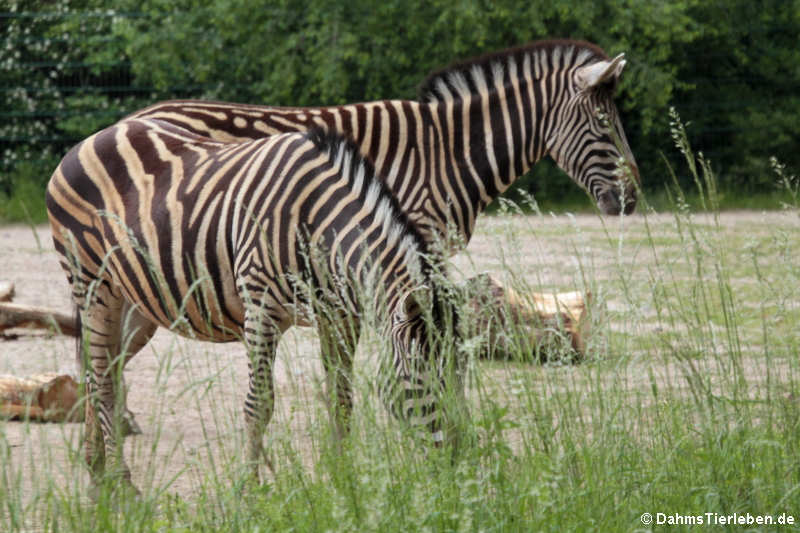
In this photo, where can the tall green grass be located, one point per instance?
(688, 403)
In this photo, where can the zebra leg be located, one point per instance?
(102, 330)
(338, 341)
(136, 333)
(261, 338)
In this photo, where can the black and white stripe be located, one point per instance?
(158, 226)
(200, 217)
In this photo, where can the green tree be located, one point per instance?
(70, 67)
(55, 92)
(744, 98)
(309, 52)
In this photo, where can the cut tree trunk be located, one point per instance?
(525, 326)
(43, 397)
(507, 323)
(27, 316)
(6, 291)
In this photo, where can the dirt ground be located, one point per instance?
(174, 383)
(187, 395)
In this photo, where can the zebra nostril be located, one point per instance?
(611, 200)
(608, 202)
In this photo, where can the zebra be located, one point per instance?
(478, 125)
(158, 226)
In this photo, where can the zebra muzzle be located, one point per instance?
(611, 201)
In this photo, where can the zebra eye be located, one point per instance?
(608, 87)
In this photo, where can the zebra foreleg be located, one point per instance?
(338, 341)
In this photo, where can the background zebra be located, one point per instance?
(478, 126)
(157, 226)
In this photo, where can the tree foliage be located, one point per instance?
(731, 67)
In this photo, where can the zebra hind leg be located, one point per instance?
(338, 341)
(102, 324)
(136, 333)
(261, 338)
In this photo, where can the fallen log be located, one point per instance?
(511, 325)
(43, 398)
(27, 316)
(506, 321)
(6, 291)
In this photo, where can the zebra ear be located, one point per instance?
(600, 72)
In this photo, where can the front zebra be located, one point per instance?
(478, 126)
(157, 226)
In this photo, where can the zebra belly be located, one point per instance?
(177, 291)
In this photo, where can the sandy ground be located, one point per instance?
(174, 383)
(187, 395)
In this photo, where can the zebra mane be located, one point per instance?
(373, 191)
(479, 70)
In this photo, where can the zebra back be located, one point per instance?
(189, 228)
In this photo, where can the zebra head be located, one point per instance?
(425, 365)
(589, 143)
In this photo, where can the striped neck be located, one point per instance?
(491, 119)
(478, 125)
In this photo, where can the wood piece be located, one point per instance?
(43, 397)
(535, 324)
(27, 316)
(505, 319)
(6, 291)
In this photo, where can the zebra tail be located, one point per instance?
(77, 324)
